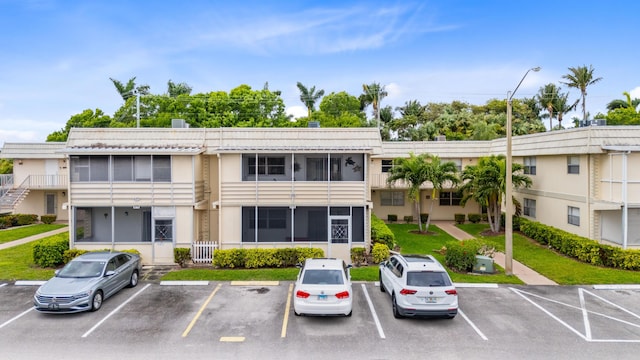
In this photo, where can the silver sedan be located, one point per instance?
(86, 281)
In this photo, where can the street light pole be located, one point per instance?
(137, 94)
(508, 211)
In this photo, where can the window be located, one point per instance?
(162, 168)
(529, 208)
(529, 165)
(89, 168)
(392, 198)
(573, 164)
(387, 165)
(458, 163)
(574, 216)
(267, 165)
(269, 218)
(164, 230)
(450, 198)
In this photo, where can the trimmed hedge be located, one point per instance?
(181, 256)
(263, 258)
(474, 218)
(459, 218)
(358, 255)
(48, 219)
(25, 219)
(461, 255)
(380, 233)
(581, 248)
(380, 252)
(49, 252)
(408, 219)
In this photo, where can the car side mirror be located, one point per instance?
(109, 273)
(383, 263)
(299, 265)
(56, 272)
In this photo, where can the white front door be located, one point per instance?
(340, 237)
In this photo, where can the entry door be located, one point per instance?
(340, 237)
(50, 203)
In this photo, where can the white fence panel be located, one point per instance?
(202, 252)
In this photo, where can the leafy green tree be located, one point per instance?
(485, 183)
(562, 106)
(580, 78)
(174, 90)
(627, 103)
(546, 97)
(86, 119)
(6, 166)
(309, 97)
(126, 90)
(418, 169)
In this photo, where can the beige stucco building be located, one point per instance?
(158, 189)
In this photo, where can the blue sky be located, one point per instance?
(56, 56)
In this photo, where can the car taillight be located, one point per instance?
(408, 292)
(452, 292)
(343, 295)
(302, 294)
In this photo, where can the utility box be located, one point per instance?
(484, 264)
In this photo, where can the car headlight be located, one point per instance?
(82, 295)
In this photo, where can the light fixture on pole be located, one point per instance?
(136, 92)
(508, 211)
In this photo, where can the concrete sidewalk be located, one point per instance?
(527, 275)
(33, 238)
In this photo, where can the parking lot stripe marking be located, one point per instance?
(617, 287)
(204, 306)
(585, 315)
(373, 313)
(473, 326)
(476, 285)
(232, 339)
(114, 311)
(5, 284)
(15, 318)
(29, 282)
(283, 333)
(181, 282)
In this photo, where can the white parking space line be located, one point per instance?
(475, 328)
(373, 312)
(476, 285)
(15, 318)
(617, 287)
(114, 311)
(587, 335)
(29, 282)
(5, 284)
(183, 283)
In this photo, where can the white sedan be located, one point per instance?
(323, 287)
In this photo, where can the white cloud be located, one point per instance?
(296, 111)
(635, 93)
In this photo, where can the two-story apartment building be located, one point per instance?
(157, 189)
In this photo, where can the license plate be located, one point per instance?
(54, 306)
(322, 297)
(430, 300)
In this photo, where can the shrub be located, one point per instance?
(229, 258)
(6, 221)
(49, 252)
(484, 217)
(287, 257)
(408, 219)
(25, 219)
(459, 218)
(48, 219)
(71, 254)
(474, 218)
(392, 218)
(358, 255)
(181, 256)
(424, 217)
(461, 255)
(380, 233)
(262, 258)
(306, 253)
(380, 252)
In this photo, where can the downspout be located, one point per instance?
(625, 206)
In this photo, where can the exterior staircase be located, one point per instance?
(11, 198)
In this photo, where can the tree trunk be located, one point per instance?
(429, 217)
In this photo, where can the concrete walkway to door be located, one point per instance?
(527, 275)
(32, 238)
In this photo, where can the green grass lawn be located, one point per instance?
(557, 267)
(11, 234)
(16, 263)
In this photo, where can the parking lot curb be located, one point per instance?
(255, 283)
(617, 287)
(29, 282)
(476, 285)
(179, 282)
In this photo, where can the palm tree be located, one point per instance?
(126, 91)
(562, 106)
(485, 183)
(624, 104)
(418, 169)
(546, 96)
(580, 78)
(309, 97)
(174, 89)
(373, 95)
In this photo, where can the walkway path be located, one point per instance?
(527, 275)
(33, 238)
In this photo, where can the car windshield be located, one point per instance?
(82, 269)
(427, 278)
(316, 277)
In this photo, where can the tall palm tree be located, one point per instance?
(580, 78)
(126, 91)
(372, 94)
(309, 97)
(624, 104)
(546, 96)
(562, 106)
(485, 183)
(174, 89)
(418, 169)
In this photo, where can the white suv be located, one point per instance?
(323, 287)
(419, 286)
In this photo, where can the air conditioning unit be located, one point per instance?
(484, 264)
(179, 123)
(441, 138)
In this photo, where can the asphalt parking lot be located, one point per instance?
(227, 320)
